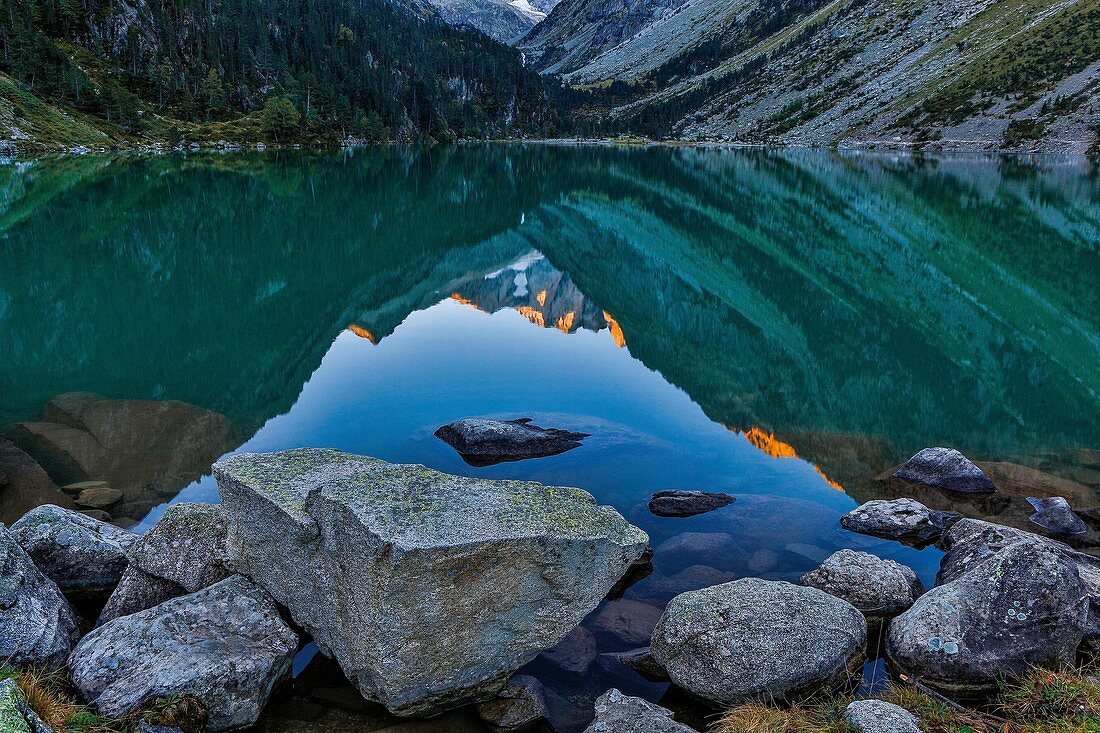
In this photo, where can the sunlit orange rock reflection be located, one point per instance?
(362, 333)
(769, 444)
(615, 329)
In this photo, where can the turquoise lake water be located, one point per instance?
(783, 326)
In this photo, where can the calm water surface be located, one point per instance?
(783, 326)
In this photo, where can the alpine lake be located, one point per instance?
(784, 326)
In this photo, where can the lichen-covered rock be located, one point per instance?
(947, 469)
(184, 552)
(880, 589)
(902, 520)
(878, 716)
(37, 626)
(619, 713)
(757, 639)
(519, 706)
(367, 555)
(1054, 514)
(84, 556)
(226, 645)
(11, 712)
(1024, 606)
(483, 442)
(682, 503)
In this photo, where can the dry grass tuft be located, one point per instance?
(759, 718)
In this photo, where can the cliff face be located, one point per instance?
(977, 74)
(502, 20)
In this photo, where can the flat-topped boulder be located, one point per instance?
(685, 503)
(484, 442)
(428, 589)
(946, 469)
(84, 556)
(902, 520)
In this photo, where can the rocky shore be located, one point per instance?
(430, 592)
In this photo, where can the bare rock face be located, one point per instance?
(619, 713)
(880, 589)
(756, 639)
(84, 556)
(1024, 606)
(367, 555)
(225, 645)
(184, 552)
(483, 442)
(902, 520)
(37, 626)
(947, 469)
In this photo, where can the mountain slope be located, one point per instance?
(1021, 74)
(289, 69)
(501, 20)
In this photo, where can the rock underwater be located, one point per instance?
(484, 442)
(428, 589)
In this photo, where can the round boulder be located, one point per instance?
(877, 716)
(880, 589)
(756, 639)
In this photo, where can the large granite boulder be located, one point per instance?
(619, 713)
(37, 626)
(225, 645)
(971, 542)
(880, 589)
(368, 555)
(683, 503)
(184, 552)
(756, 639)
(84, 556)
(1024, 606)
(902, 520)
(879, 716)
(483, 442)
(947, 469)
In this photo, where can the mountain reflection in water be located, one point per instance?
(784, 326)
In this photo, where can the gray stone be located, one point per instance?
(226, 645)
(37, 626)
(575, 653)
(144, 727)
(879, 588)
(757, 639)
(11, 708)
(1053, 513)
(878, 716)
(680, 503)
(519, 706)
(619, 713)
(902, 520)
(1025, 606)
(184, 552)
(483, 442)
(947, 469)
(367, 554)
(84, 556)
(641, 661)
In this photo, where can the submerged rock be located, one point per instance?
(84, 556)
(225, 645)
(25, 484)
(483, 442)
(1055, 515)
(519, 706)
(679, 503)
(1025, 606)
(880, 589)
(575, 653)
(756, 639)
(619, 713)
(184, 552)
(37, 626)
(902, 520)
(878, 716)
(947, 469)
(641, 661)
(367, 555)
(100, 497)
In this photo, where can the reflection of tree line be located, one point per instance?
(812, 295)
